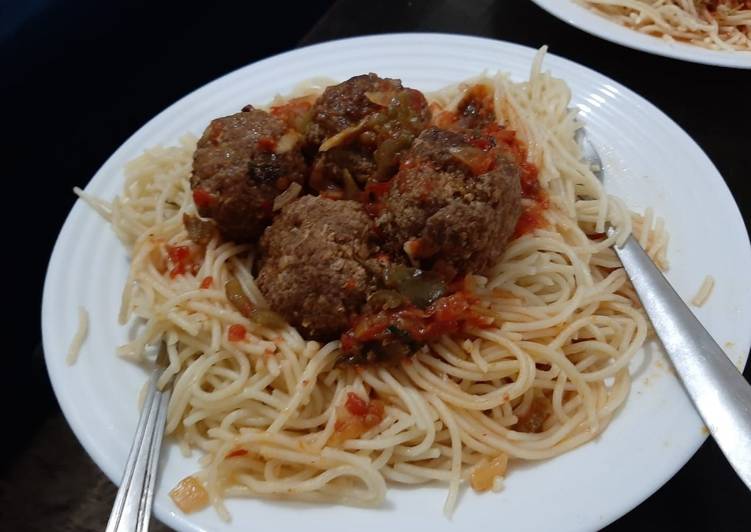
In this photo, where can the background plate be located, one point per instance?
(584, 19)
(649, 161)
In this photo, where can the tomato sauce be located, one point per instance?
(180, 259)
(203, 198)
(295, 112)
(355, 418)
(236, 453)
(236, 333)
(396, 333)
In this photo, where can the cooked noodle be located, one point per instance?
(728, 27)
(79, 337)
(566, 325)
(705, 290)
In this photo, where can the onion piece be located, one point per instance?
(420, 287)
(235, 294)
(386, 300)
(268, 318)
(288, 196)
(189, 495)
(387, 154)
(263, 316)
(345, 135)
(286, 142)
(199, 231)
(484, 474)
(382, 98)
(351, 190)
(477, 160)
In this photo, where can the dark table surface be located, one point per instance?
(80, 67)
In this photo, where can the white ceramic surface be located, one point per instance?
(649, 160)
(584, 19)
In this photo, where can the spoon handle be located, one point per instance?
(719, 391)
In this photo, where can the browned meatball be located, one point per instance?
(344, 105)
(316, 269)
(454, 203)
(359, 129)
(242, 162)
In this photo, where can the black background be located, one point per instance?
(79, 77)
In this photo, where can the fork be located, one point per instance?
(718, 390)
(131, 511)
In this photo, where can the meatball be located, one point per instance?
(359, 128)
(317, 269)
(344, 105)
(241, 163)
(454, 203)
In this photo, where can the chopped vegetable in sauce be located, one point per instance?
(391, 334)
(532, 420)
(484, 474)
(355, 418)
(189, 495)
(236, 333)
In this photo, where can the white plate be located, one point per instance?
(584, 19)
(650, 161)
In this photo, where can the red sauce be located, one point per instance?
(355, 418)
(207, 282)
(202, 198)
(237, 452)
(179, 256)
(531, 218)
(216, 129)
(178, 253)
(412, 325)
(236, 332)
(355, 405)
(266, 144)
(530, 182)
(294, 112)
(267, 208)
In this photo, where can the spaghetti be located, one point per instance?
(713, 24)
(275, 417)
(78, 338)
(704, 292)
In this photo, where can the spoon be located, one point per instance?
(718, 390)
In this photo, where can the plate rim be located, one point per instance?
(180, 521)
(582, 19)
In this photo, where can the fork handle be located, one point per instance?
(132, 509)
(720, 393)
